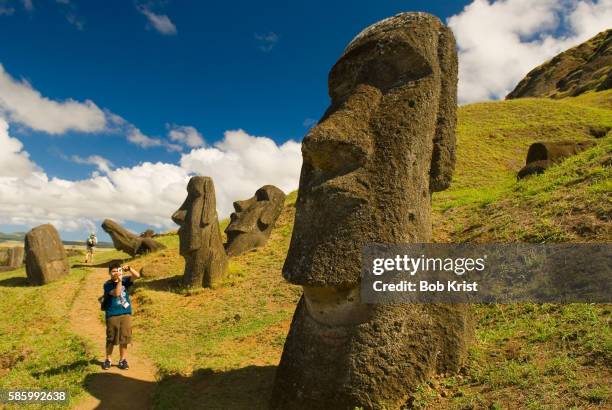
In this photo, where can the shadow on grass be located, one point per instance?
(67, 368)
(168, 284)
(14, 282)
(246, 388)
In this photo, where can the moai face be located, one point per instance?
(253, 220)
(200, 236)
(385, 143)
(369, 167)
(197, 212)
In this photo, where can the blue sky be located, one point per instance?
(246, 79)
(213, 74)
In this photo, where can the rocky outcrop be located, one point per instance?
(126, 241)
(45, 256)
(586, 67)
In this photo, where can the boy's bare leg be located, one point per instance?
(109, 350)
(123, 351)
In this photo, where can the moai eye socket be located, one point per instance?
(384, 66)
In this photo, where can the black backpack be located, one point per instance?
(105, 302)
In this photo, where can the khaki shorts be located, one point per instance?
(119, 330)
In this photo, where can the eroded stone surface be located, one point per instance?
(200, 236)
(128, 242)
(45, 255)
(253, 220)
(369, 167)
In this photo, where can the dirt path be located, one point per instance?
(114, 388)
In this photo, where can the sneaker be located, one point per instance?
(123, 364)
(106, 365)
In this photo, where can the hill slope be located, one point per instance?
(219, 348)
(586, 67)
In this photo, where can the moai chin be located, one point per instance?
(200, 236)
(386, 142)
(252, 223)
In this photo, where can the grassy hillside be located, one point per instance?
(219, 348)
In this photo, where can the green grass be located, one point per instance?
(37, 351)
(219, 348)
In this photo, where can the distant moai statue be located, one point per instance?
(369, 167)
(254, 219)
(45, 256)
(200, 236)
(128, 242)
(15, 257)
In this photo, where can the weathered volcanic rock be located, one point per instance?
(369, 167)
(16, 256)
(126, 241)
(586, 67)
(200, 235)
(253, 220)
(45, 256)
(149, 233)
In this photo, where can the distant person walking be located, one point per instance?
(92, 241)
(118, 307)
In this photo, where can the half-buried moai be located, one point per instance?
(200, 236)
(253, 220)
(542, 155)
(45, 256)
(386, 142)
(128, 242)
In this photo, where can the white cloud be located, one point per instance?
(103, 164)
(28, 5)
(185, 134)
(267, 41)
(23, 104)
(135, 136)
(160, 22)
(148, 193)
(241, 163)
(14, 162)
(501, 41)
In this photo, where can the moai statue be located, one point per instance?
(200, 235)
(253, 220)
(15, 257)
(128, 242)
(542, 155)
(369, 167)
(45, 256)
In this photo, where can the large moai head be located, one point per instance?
(199, 234)
(386, 142)
(253, 220)
(45, 256)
